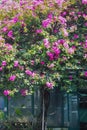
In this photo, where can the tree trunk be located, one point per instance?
(41, 123)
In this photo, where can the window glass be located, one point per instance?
(73, 111)
(20, 108)
(55, 109)
(66, 109)
(1, 103)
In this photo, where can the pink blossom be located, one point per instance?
(85, 73)
(50, 16)
(84, 1)
(46, 43)
(5, 29)
(23, 92)
(64, 13)
(62, 20)
(8, 46)
(51, 65)
(12, 78)
(85, 56)
(21, 67)
(49, 85)
(4, 63)
(10, 34)
(15, 19)
(51, 55)
(51, 4)
(46, 23)
(37, 2)
(59, 2)
(66, 45)
(76, 36)
(16, 63)
(61, 41)
(85, 16)
(6, 92)
(55, 30)
(56, 50)
(85, 46)
(70, 77)
(65, 32)
(28, 72)
(23, 24)
(38, 31)
(64, 58)
(85, 24)
(72, 13)
(42, 62)
(56, 43)
(80, 13)
(33, 74)
(22, 2)
(71, 50)
(31, 7)
(1, 68)
(32, 62)
(75, 18)
(1, 39)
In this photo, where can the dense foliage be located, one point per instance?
(40, 43)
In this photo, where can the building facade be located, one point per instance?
(67, 111)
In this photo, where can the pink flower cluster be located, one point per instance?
(85, 46)
(37, 2)
(12, 77)
(51, 65)
(54, 54)
(8, 46)
(30, 73)
(60, 2)
(76, 36)
(5, 29)
(4, 63)
(38, 31)
(15, 19)
(16, 63)
(6, 92)
(50, 55)
(62, 20)
(46, 23)
(61, 41)
(42, 62)
(46, 43)
(1, 68)
(84, 1)
(71, 50)
(65, 32)
(49, 85)
(56, 51)
(23, 92)
(70, 77)
(85, 73)
(10, 34)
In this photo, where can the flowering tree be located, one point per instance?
(39, 40)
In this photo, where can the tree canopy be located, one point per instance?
(40, 42)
